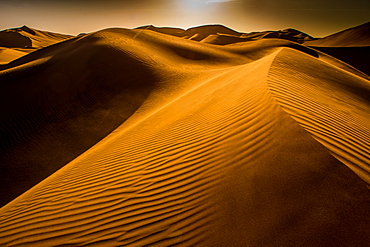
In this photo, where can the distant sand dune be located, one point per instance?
(153, 139)
(351, 46)
(27, 37)
(16, 42)
(7, 54)
(352, 37)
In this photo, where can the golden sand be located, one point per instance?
(164, 137)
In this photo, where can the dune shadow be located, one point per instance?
(53, 111)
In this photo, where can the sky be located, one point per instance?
(317, 18)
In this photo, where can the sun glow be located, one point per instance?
(192, 5)
(196, 5)
(194, 12)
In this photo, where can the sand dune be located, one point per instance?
(16, 42)
(340, 118)
(163, 137)
(223, 39)
(25, 37)
(201, 32)
(355, 36)
(8, 54)
(351, 46)
(221, 35)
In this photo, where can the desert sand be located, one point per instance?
(17, 42)
(169, 137)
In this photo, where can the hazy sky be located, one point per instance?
(315, 17)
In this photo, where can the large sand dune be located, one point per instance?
(199, 137)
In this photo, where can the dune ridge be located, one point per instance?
(253, 143)
(216, 33)
(344, 114)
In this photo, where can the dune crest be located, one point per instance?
(199, 137)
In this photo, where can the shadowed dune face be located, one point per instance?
(351, 46)
(358, 57)
(63, 105)
(341, 102)
(153, 139)
(14, 40)
(356, 36)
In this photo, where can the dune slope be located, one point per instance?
(17, 42)
(68, 101)
(355, 36)
(25, 37)
(351, 46)
(358, 57)
(258, 143)
(340, 116)
(76, 92)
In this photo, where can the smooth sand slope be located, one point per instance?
(164, 139)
